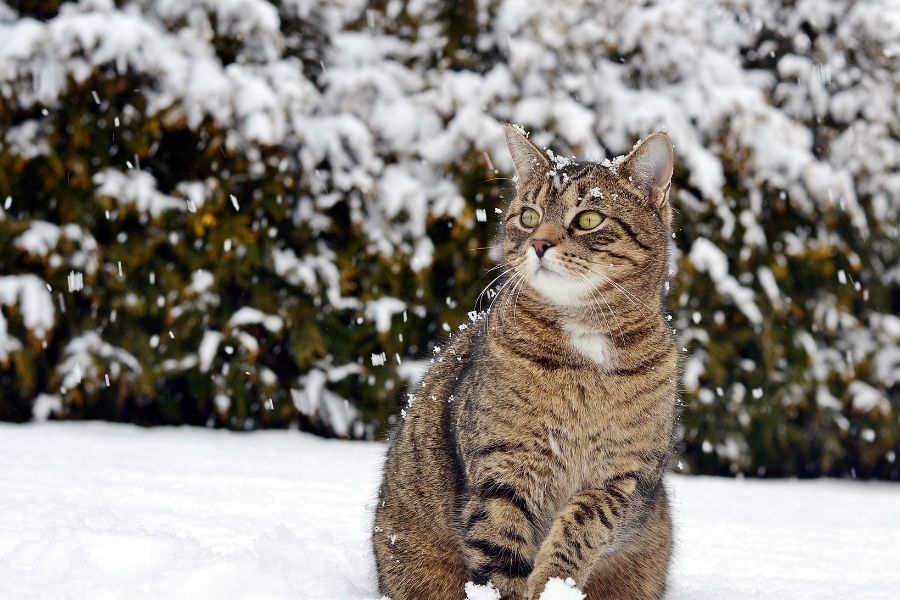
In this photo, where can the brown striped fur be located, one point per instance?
(537, 442)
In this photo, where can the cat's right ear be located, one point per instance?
(528, 158)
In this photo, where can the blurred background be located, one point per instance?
(246, 214)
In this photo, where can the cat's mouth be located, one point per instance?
(554, 283)
(547, 265)
(543, 267)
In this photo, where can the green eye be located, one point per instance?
(529, 218)
(588, 219)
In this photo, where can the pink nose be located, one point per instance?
(541, 246)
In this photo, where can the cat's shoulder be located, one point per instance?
(457, 351)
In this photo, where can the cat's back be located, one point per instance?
(430, 404)
(422, 462)
(415, 541)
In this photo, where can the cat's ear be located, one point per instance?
(649, 168)
(528, 158)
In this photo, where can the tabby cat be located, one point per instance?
(536, 444)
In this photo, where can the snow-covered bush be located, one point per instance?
(255, 213)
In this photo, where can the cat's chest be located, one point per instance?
(579, 426)
(580, 460)
(594, 346)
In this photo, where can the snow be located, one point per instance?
(253, 316)
(137, 188)
(866, 398)
(28, 140)
(32, 297)
(556, 589)
(94, 510)
(314, 399)
(201, 281)
(209, 346)
(308, 270)
(85, 354)
(42, 238)
(769, 284)
(559, 589)
(481, 592)
(708, 258)
(382, 311)
(45, 405)
(75, 281)
(887, 365)
(8, 343)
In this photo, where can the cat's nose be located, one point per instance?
(541, 246)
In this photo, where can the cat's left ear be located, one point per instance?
(527, 158)
(649, 168)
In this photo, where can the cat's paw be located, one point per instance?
(535, 584)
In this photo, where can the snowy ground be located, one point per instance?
(95, 510)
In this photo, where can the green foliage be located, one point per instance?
(311, 242)
(141, 299)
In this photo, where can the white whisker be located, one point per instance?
(593, 295)
(478, 299)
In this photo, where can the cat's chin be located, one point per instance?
(556, 287)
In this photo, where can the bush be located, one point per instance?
(277, 209)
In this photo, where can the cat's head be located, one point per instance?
(575, 229)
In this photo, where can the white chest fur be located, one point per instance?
(591, 344)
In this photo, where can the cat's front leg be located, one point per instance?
(585, 528)
(498, 536)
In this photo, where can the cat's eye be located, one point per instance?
(588, 219)
(530, 218)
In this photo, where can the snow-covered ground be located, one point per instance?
(93, 510)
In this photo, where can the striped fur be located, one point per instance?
(537, 442)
